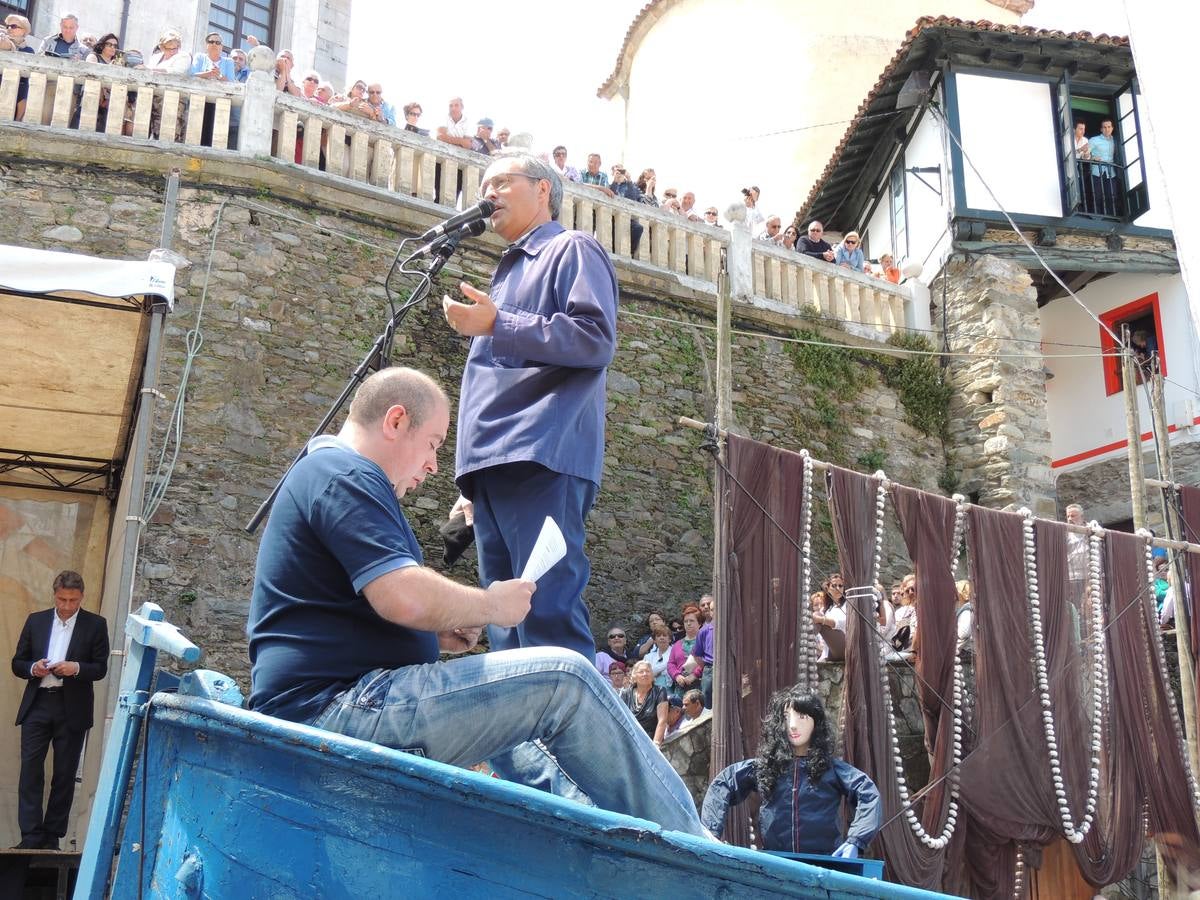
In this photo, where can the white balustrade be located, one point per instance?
(135, 105)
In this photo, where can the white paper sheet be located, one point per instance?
(549, 549)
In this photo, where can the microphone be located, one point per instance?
(450, 241)
(480, 211)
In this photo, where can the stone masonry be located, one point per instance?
(999, 430)
(294, 301)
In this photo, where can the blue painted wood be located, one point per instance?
(148, 634)
(862, 867)
(242, 805)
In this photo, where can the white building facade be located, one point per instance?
(970, 126)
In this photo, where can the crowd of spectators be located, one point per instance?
(664, 673)
(214, 61)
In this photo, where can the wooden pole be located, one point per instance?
(1137, 475)
(723, 414)
(1187, 671)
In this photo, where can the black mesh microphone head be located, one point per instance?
(476, 228)
(486, 208)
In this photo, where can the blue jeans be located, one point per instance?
(478, 707)
(511, 504)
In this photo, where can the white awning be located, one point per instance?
(30, 271)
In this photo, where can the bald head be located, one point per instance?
(419, 394)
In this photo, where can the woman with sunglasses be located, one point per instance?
(849, 252)
(16, 30)
(105, 53)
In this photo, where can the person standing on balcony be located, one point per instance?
(166, 56)
(213, 64)
(482, 142)
(595, 177)
(558, 160)
(383, 110)
(1102, 150)
(623, 186)
(754, 218)
(241, 65)
(66, 43)
(814, 245)
(849, 254)
(456, 130)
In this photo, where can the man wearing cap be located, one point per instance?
(482, 142)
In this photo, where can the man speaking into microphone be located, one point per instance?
(531, 410)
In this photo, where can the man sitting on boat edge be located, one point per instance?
(346, 624)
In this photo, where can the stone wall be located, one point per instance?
(999, 430)
(1102, 488)
(294, 301)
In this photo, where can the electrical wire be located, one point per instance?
(883, 349)
(173, 439)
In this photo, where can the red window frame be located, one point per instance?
(1116, 317)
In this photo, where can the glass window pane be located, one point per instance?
(221, 20)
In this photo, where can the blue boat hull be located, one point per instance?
(239, 805)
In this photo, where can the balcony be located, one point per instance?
(254, 121)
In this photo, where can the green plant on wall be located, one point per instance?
(918, 382)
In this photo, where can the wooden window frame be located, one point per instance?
(1114, 318)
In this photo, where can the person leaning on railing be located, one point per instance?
(16, 31)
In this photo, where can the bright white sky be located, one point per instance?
(535, 65)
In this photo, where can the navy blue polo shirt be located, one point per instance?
(335, 527)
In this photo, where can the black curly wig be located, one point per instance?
(775, 753)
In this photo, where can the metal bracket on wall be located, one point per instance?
(918, 171)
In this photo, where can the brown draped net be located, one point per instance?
(759, 624)
(1008, 800)
(1189, 513)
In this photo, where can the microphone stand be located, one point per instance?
(376, 358)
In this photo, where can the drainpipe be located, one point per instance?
(124, 21)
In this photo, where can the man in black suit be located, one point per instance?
(61, 651)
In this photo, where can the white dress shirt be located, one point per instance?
(60, 640)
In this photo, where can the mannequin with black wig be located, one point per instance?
(801, 784)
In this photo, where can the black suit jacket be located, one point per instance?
(88, 647)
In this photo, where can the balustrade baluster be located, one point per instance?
(143, 109)
(64, 91)
(791, 287)
(222, 110)
(604, 226)
(868, 307)
(566, 215)
(759, 265)
(712, 259)
(169, 121)
(9, 82)
(622, 237)
(335, 151)
(471, 178)
(696, 267)
(678, 239)
(839, 303)
(360, 152)
(89, 105)
(448, 189)
(118, 97)
(774, 278)
(586, 220)
(195, 120)
(428, 175)
(289, 122)
(381, 163)
(313, 127)
(406, 170)
(36, 98)
(660, 251)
